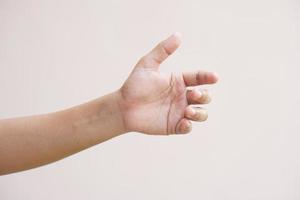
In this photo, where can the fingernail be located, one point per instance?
(177, 34)
(188, 127)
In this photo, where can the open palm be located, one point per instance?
(156, 103)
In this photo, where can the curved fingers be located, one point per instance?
(196, 114)
(184, 126)
(198, 96)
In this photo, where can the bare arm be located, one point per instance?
(29, 142)
(149, 102)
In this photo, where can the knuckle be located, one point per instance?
(144, 61)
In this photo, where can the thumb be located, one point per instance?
(161, 52)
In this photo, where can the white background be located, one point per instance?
(58, 53)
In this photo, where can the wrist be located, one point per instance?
(99, 119)
(115, 101)
(108, 115)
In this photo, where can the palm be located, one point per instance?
(155, 103)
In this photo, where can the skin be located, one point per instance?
(148, 102)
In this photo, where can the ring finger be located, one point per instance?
(198, 96)
(196, 113)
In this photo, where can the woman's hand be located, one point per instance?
(159, 104)
(148, 102)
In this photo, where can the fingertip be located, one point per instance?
(184, 126)
(197, 94)
(189, 112)
(177, 35)
(215, 77)
(196, 114)
(172, 43)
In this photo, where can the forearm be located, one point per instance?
(29, 142)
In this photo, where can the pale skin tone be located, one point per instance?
(148, 102)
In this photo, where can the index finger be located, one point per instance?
(199, 78)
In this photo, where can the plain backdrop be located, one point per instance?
(58, 53)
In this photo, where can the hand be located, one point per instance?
(149, 102)
(160, 104)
